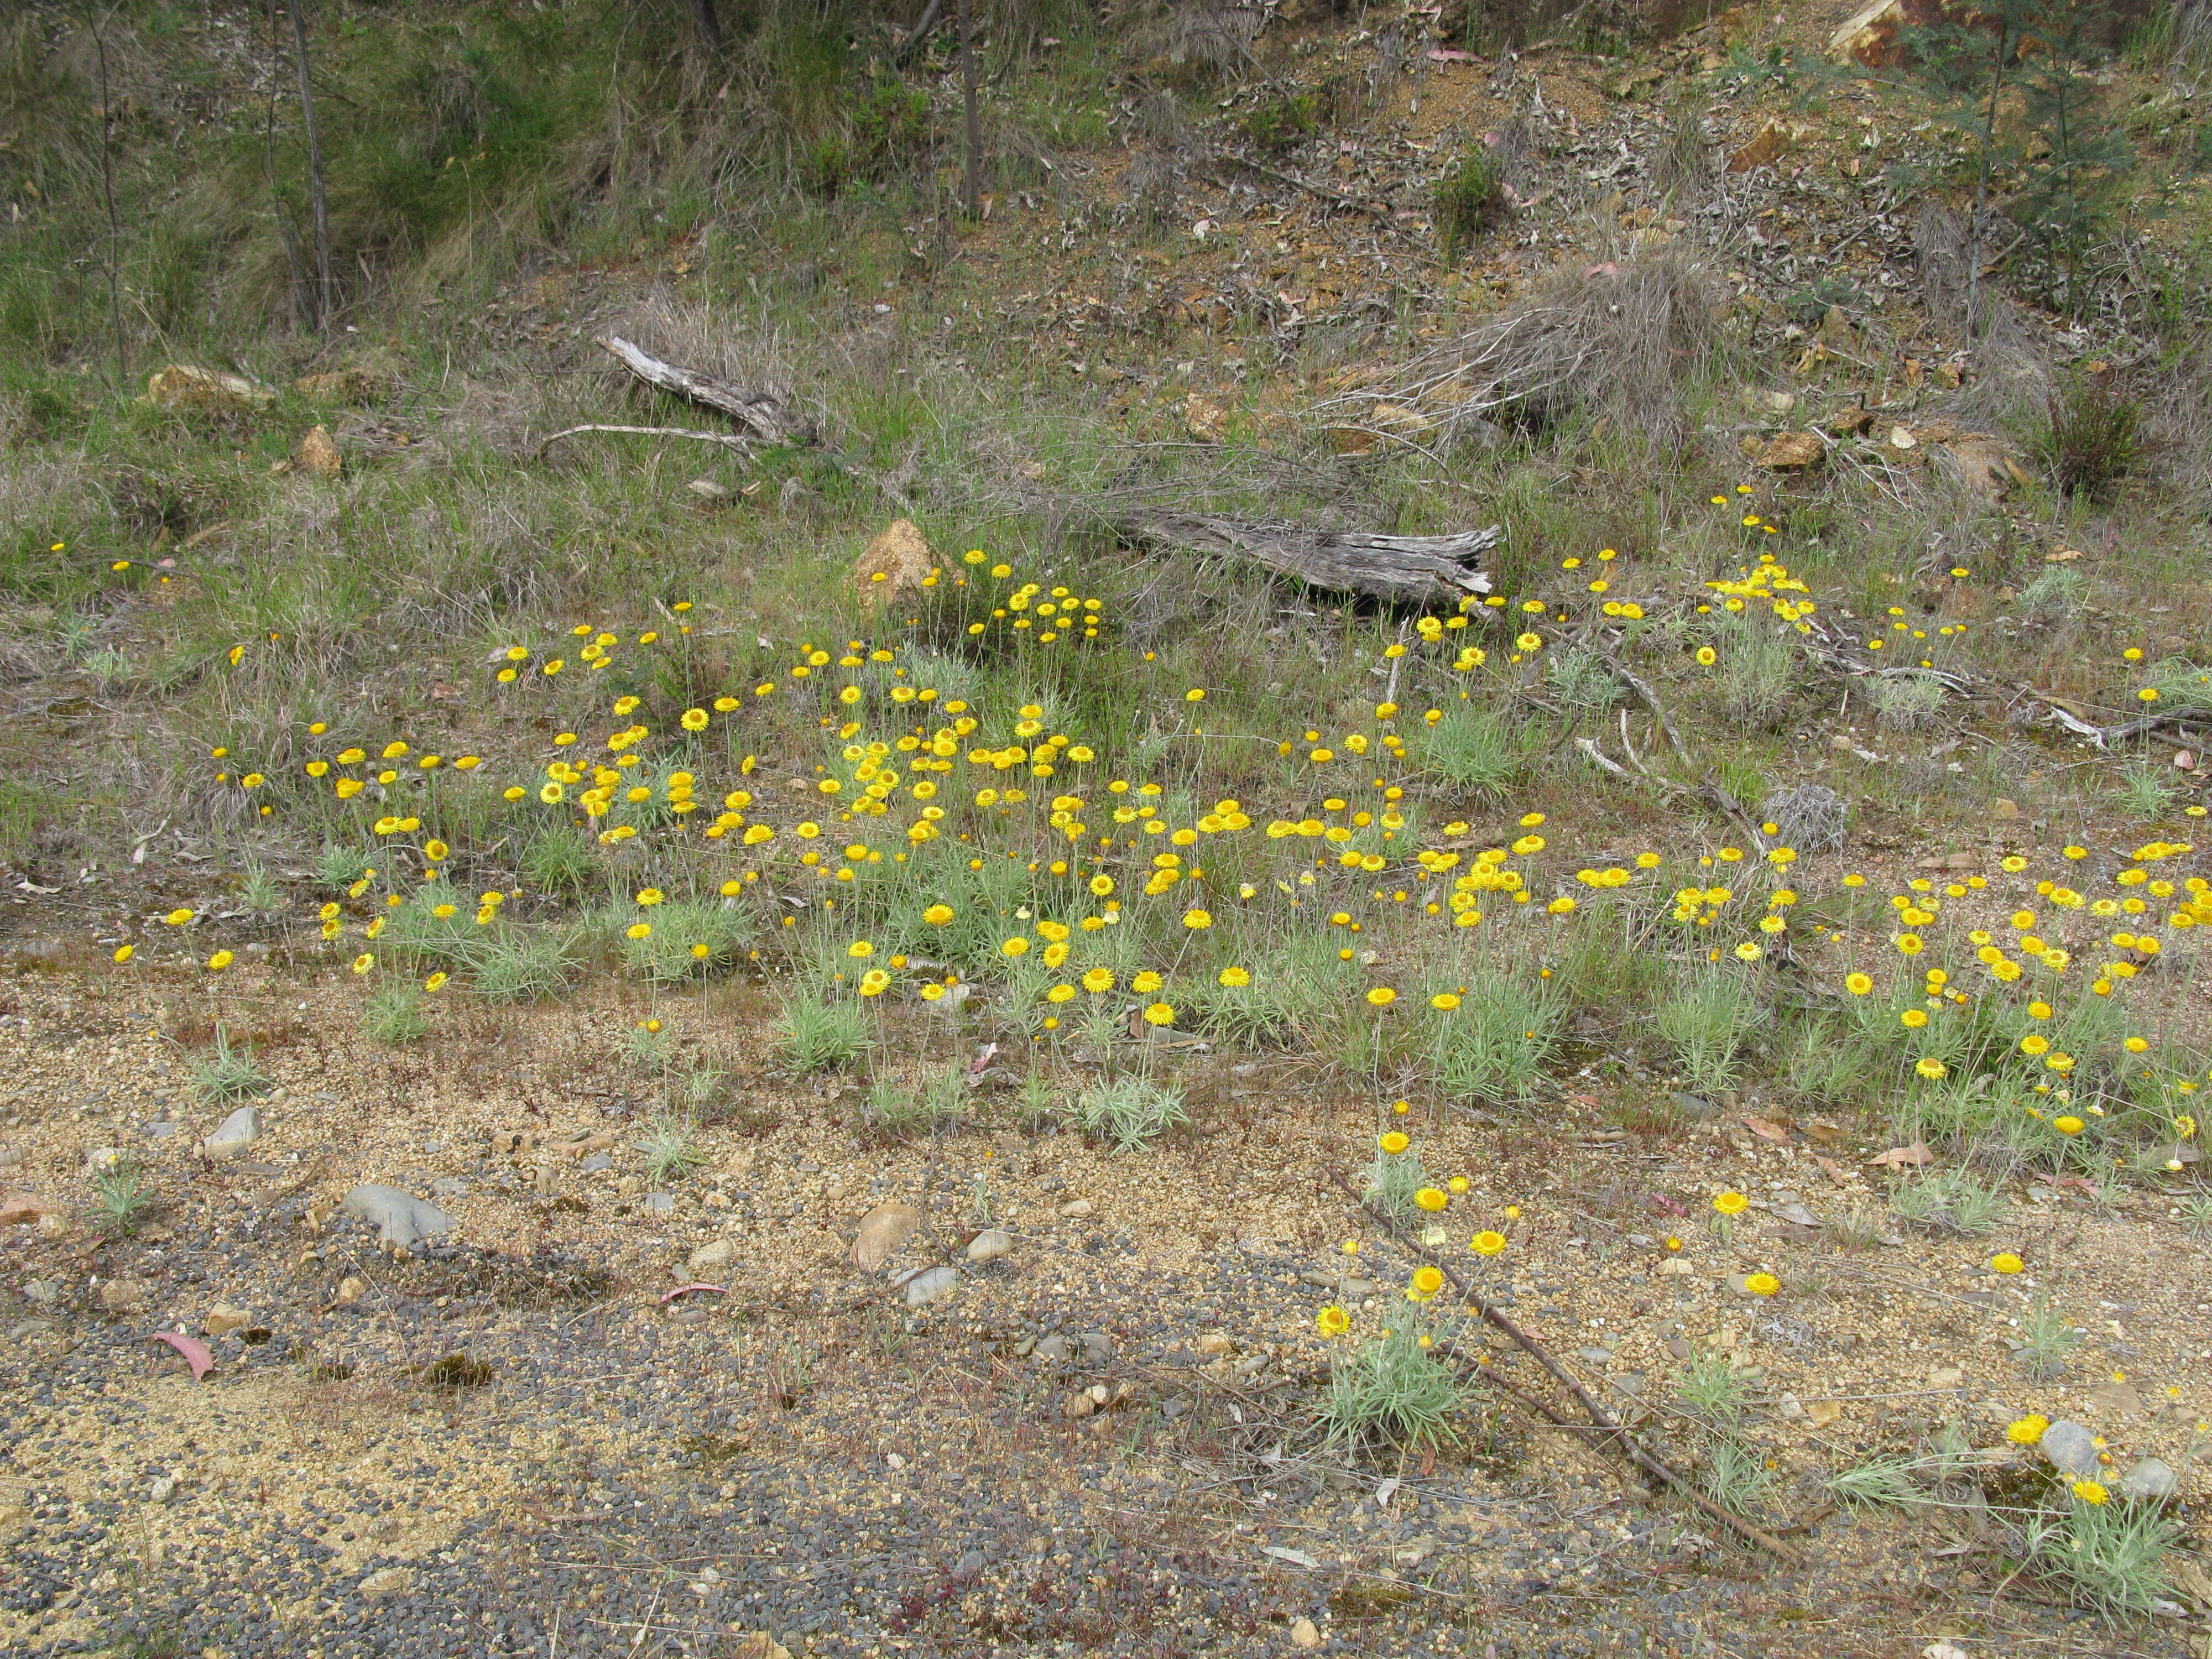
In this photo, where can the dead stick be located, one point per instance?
(1296, 183)
(1621, 1440)
(1598, 1416)
(743, 446)
(1649, 699)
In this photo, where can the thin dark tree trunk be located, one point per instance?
(972, 170)
(114, 222)
(293, 298)
(323, 306)
(710, 24)
(1982, 181)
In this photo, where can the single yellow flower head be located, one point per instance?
(1487, 1242)
(1393, 1141)
(2026, 1431)
(2006, 1262)
(1333, 1321)
(1761, 1284)
(1432, 1198)
(1731, 1203)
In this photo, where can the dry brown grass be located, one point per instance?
(1618, 336)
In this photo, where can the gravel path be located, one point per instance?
(510, 1441)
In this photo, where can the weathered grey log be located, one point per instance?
(1417, 569)
(762, 414)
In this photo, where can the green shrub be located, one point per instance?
(1470, 199)
(2093, 438)
(1280, 122)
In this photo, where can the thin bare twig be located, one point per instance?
(1603, 1426)
(743, 446)
(1649, 699)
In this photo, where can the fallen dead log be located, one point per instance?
(1417, 569)
(763, 415)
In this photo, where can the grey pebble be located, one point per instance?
(2071, 1449)
(401, 1218)
(2151, 1481)
(990, 1244)
(233, 1134)
(595, 1162)
(932, 1284)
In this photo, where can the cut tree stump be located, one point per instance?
(763, 415)
(1417, 569)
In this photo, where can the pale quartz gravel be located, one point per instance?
(588, 1475)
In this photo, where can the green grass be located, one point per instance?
(669, 1151)
(1952, 1200)
(226, 1074)
(897, 1109)
(122, 1195)
(1392, 1391)
(1493, 1045)
(1128, 1112)
(1714, 1389)
(395, 1013)
(1706, 1023)
(815, 1033)
(1481, 752)
(2106, 1557)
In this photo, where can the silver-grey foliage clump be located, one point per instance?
(1809, 818)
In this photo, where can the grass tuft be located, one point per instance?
(1392, 1390)
(819, 1033)
(1130, 1112)
(226, 1073)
